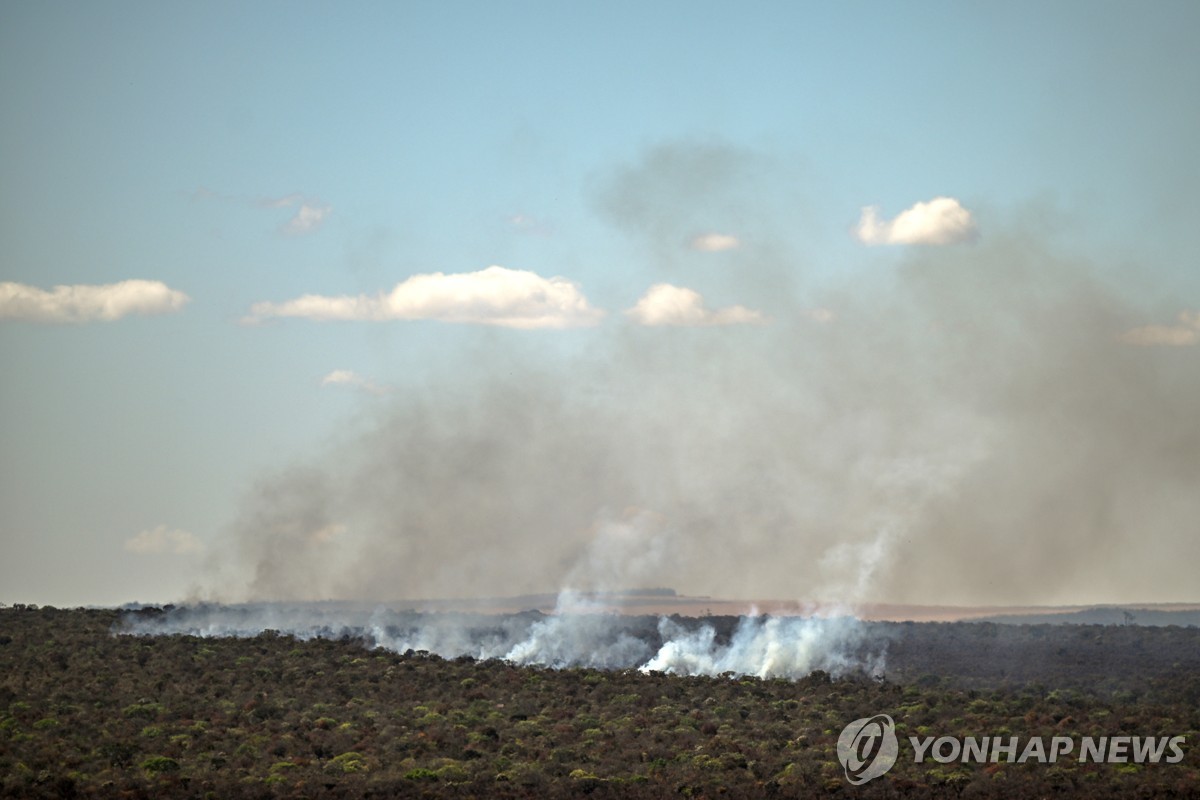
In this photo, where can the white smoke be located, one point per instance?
(588, 640)
(766, 647)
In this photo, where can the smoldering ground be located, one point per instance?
(961, 425)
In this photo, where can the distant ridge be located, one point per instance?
(665, 602)
(1106, 615)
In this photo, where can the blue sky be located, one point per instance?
(246, 155)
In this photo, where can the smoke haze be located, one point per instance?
(962, 424)
(576, 635)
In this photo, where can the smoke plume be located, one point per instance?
(961, 426)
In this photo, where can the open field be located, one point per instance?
(87, 713)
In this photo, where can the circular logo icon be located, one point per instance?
(867, 748)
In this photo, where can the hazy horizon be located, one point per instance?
(856, 302)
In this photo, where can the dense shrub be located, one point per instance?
(271, 716)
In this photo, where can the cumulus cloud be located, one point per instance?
(664, 304)
(713, 242)
(346, 377)
(942, 220)
(493, 296)
(1185, 332)
(87, 302)
(164, 540)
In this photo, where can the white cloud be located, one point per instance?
(308, 218)
(164, 540)
(713, 242)
(664, 304)
(310, 212)
(87, 302)
(346, 377)
(493, 296)
(309, 215)
(1185, 332)
(821, 315)
(942, 220)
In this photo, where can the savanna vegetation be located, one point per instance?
(87, 713)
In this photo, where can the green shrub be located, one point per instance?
(144, 710)
(347, 762)
(452, 773)
(157, 764)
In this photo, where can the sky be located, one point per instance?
(852, 301)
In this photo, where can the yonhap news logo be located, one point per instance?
(868, 748)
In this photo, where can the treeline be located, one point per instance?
(87, 713)
(1157, 664)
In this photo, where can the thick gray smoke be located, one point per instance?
(961, 425)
